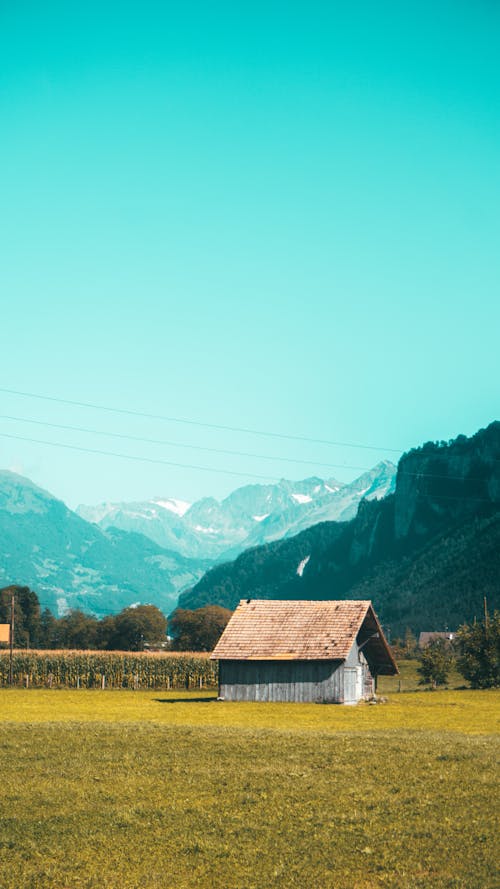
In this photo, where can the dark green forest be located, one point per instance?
(426, 556)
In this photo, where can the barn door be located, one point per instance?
(350, 681)
(353, 684)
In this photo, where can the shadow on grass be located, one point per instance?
(186, 700)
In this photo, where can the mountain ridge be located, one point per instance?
(102, 568)
(73, 564)
(443, 498)
(249, 515)
(441, 490)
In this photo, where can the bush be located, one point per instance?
(479, 647)
(436, 661)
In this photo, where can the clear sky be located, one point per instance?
(275, 216)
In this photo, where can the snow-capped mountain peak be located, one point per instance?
(302, 498)
(179, 507)
(249, 516)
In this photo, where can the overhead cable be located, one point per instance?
(59, 444)
(177, 444)
(192, 422)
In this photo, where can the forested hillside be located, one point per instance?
(426, 555)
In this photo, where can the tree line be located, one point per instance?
(136, 628)
(475, 651)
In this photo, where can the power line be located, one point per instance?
(191, 422)
(58, 444)
(451, 478)
(268, 478)
(424, 495)
(155, 441)
(176, 444)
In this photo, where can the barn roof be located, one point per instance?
(266, 629)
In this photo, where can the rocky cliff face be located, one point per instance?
(445, 495)
(441, 484)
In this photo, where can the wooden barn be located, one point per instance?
(304, 651)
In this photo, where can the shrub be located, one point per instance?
(479, 647)
(436, 661)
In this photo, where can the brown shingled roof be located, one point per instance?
(264, 629)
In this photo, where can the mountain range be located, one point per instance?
(104, 558)
(422, 541)
(71, 563)
(427, 554)
(249, 516)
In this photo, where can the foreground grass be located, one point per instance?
(132, 789)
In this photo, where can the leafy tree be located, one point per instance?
(198, 629)
(479, 646)
(48, 629)
(410, 644)
(436, 661)
(135, 626)
(106, 629)
(26, 614)
(77, 630)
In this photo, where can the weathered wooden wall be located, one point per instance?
(333, 682)
(294, 681)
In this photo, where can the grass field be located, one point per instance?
(174, 789)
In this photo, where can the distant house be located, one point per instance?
(328, 652)
(426, 638)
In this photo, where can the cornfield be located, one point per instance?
(109, 669)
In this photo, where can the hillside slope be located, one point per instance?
(73, 564)
(425, 555)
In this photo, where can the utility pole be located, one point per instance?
(11, 659)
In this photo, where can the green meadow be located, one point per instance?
(175, 789)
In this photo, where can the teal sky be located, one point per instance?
(277, 216)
